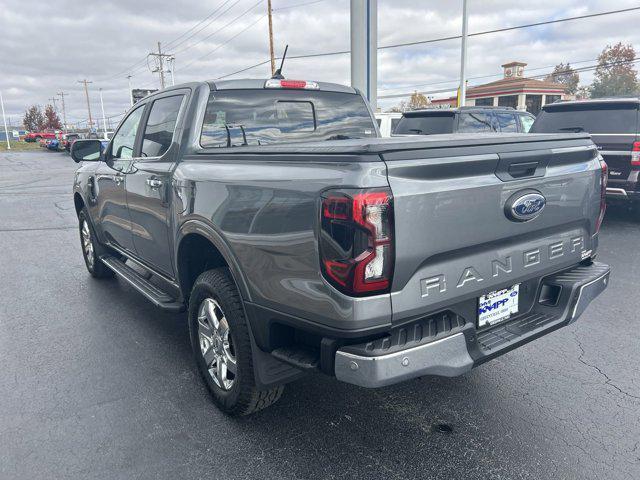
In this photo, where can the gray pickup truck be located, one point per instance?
(298, 240)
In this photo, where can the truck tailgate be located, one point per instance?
(454, 239)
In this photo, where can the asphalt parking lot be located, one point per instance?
(97, 383)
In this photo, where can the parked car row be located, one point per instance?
(613, 124)
(59, 141)
(455, 120)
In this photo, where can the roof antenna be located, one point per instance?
(277, 75)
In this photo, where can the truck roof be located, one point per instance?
(258, 83)
(592, 101)
(435, 111)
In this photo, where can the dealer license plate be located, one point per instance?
(498, 306)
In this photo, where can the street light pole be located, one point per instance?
(104, 119)
(4, 120)
(462, 94)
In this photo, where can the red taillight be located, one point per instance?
(604, 174)
(356, 240)
(635, 154)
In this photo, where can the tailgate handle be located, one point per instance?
(523, 169)
(518, 165)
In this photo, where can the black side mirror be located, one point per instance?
(86, 150)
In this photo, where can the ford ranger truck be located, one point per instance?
(298, 240)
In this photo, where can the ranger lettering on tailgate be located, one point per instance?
(438, 283)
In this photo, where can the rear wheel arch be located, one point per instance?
(200, 248)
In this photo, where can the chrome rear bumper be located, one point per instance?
(459, 352)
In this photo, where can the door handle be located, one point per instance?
(154, 182)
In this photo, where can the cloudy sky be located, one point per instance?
(47, 47)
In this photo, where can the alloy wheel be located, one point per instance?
(215, 344)
(87, 244)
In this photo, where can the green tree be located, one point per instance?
(583, 92)
(51, 119)
(565, 75)
(615, 75)
(33, 120)
(416, 102)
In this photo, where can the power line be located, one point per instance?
(224, 26)
(578, 70)
(478, 77)
(454, 37)
(243, 70)
(304, 4)
(517, 27)
(141, 63)
(224, 43)
(172, 42)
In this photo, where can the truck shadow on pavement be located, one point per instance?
(496, 420)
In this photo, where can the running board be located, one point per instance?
(154, 294)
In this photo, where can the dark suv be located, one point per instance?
(613, 125)
(464, 120)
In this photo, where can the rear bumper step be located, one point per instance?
(154, 294)
(457, 348)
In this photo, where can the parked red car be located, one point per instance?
(37, 136)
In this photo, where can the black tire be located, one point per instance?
(96, 268)
(243, 397)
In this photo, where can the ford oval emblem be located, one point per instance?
(524, 206)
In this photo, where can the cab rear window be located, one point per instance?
(591, 118)
(263, 117)
(431, 124)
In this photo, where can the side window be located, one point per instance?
(475, 122)
(158, 133)
(394, 124)
(525, 122)
(125, 138)
(507, 122)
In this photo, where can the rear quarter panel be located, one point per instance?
(266, 208)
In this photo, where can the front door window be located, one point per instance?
(125, 138)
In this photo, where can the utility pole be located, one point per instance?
(160, 57)
(86, 92)
(104, 119)
(273, 58)
(130, 91)
(462, 93)
(4, 120)
(64, 112)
